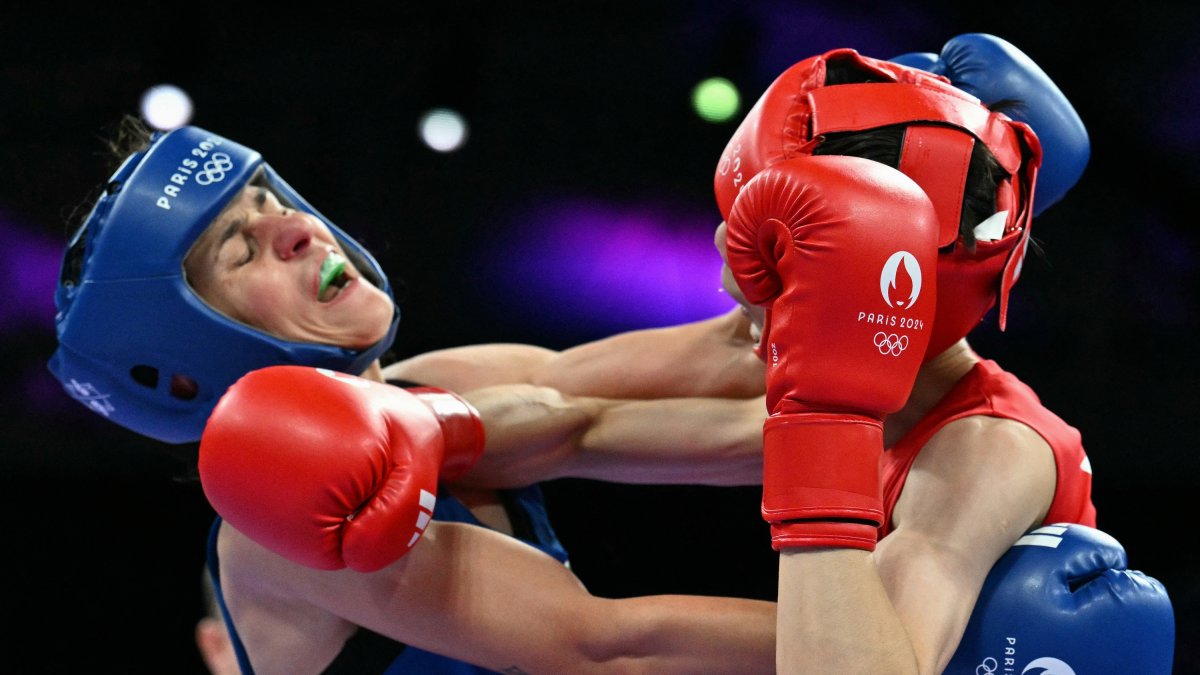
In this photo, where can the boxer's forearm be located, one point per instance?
(472, 367)
(690, 634)
(713, 357)
(709, 441)
(536, 434)
(835, 616)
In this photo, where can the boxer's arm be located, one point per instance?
(713, 357)
(537, 433)
(438, 600)
(978, 485)
(472, 366)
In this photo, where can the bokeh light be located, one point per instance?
(443, 129)
(166, 107)
(715, 99)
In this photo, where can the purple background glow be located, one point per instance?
(584, 264)
(29, 275)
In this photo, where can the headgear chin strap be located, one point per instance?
(942, 125)
(136, 344)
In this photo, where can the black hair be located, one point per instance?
(130, 135)
(984, 173)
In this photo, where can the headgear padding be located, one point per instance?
(136, 344)
(942, 125)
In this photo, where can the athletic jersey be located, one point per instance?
(991, 391)
(368, 653)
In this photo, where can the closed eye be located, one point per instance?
(231, 232)
(250, 250)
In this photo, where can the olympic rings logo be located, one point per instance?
(214, 169)
(891, 343)
(988, 667)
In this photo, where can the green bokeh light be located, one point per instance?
(715, 99)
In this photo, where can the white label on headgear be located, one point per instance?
(992, 229)
(213, 170)
(1021, 260)
(87, 394)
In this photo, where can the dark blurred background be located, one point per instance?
(581, 205)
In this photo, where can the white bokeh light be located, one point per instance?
(166, 107)
(443, 129)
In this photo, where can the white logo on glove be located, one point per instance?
(988, 667)
(1048, 665)
(1044, 666)
(888, 279)
(891, 343)
(351, 380)
(1049, 536)
(428, 501)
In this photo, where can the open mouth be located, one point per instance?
(333, 277)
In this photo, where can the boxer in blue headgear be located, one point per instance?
(137, 344)
(199, 265)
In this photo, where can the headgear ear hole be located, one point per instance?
(147, 376)
(184, 387)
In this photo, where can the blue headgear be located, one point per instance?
(136, 344)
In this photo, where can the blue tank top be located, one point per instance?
(366, 652)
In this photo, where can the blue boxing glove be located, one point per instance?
(995, 71)
(1062, 602)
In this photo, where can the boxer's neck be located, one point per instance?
(934, 380)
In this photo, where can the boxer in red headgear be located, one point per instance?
(971, 459)
(941, 127)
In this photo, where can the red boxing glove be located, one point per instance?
(842, 252)
(331, 470)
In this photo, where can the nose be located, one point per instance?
(289, 234)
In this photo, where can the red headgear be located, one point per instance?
(943, 124)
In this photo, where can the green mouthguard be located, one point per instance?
(330, 269)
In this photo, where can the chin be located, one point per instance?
(373, 330)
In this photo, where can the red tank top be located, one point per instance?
(989, 390)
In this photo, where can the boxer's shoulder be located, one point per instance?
(989, 467)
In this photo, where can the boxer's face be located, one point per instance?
(755, 312)
(261, 264)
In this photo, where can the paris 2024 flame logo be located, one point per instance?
(900, 281)
(900, 286)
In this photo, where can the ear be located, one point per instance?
(212, 639)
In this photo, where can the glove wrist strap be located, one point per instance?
(822, 479)
(461, 428)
